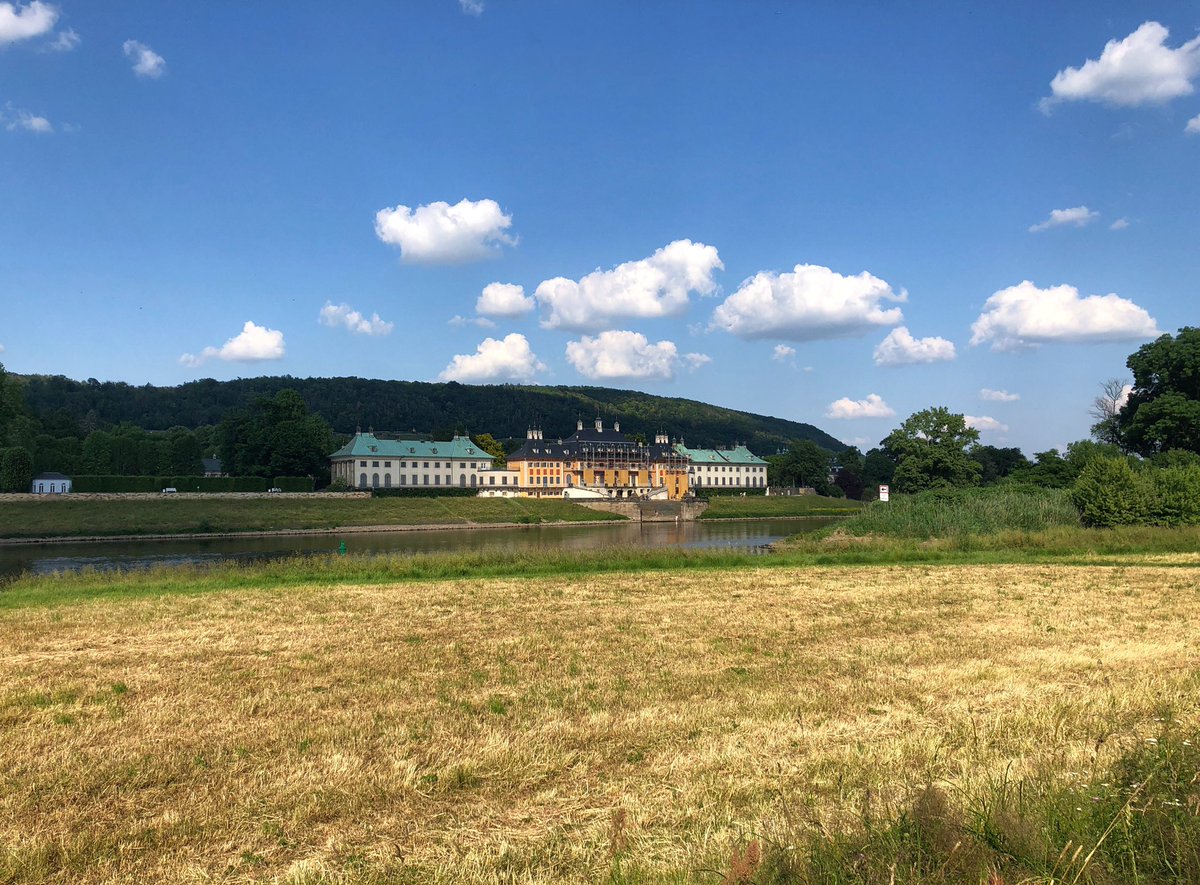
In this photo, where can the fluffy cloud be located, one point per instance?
(1077, 217)
(900, 348)
(504, 300)
(471, 7)
(809, 303)
(871, 407)
(1140, 69)
(651, 287)
(254, 344)
(146, 62)
(1193, 125)
(998, 396)
(1119, 224)
(1121, 400)
(439, 233)
(628, 355)
(1024, 315)
(507, 359)
(985, 423)
(18, 120)
(25, 22)
(344, 315)
(783, 353)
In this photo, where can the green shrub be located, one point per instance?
(293, 483)
(1108, 492)
(1173, 495)
(16, 470)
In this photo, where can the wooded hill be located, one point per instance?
(505, 411)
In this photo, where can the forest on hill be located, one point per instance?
(504, 411)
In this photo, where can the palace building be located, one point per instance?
(368, 462)
(599, 463)
(737, 468)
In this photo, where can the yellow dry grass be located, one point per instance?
(493, 731)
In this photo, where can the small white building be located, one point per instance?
(499, 482)
(50, 484)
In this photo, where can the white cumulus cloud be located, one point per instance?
(146, 62)
(507, 359)
(998, 396)
(24, 22)
(471, 7)
(1119, 224)
(1024, 315)
(1121, 400)
(1193, 126)
(657, 286)
(1140, 69)
(871, 407)
(782, 353)
(18, 120)
(344, 315)
(900, 348)
(253, 344)
(985, 423)
(1077, 216)
(628, 355)
(438, 233)
(809, 303)
(504, 300)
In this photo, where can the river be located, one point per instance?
(749, 534)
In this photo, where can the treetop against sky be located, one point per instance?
(834, 216)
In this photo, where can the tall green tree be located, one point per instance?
(930, 451)
(16, 470)
(276, 437)
(492, 447)
(1163, 409)
(804, 464)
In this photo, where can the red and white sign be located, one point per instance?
(883, 493)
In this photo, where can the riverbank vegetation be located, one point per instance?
(171, 515)
(762, 507)
(907, 724)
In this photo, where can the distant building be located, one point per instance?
(50, 484)
(212, 466)
(724, 468)
(368, 462)
(599, 463)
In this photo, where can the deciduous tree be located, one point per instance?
(930, 451)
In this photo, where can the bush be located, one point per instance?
(1108, 493)
(1173, 496)
(293, 483)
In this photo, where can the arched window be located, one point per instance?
(387, 480)
(362, 480)
(374, 480)
(462, 479)
(473, 480)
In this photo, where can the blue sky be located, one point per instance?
(735, 202)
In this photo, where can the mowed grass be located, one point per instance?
(628, 727)
(166, 515)
(762, 507)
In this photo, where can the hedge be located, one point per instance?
(427, 492)
(1111, 492)
(293, 483)
(116, 484)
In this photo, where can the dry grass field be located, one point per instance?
(618, 727)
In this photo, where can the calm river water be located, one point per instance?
(739, 534)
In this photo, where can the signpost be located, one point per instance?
(883, 494)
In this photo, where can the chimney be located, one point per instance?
(578, 424)
(599, 423)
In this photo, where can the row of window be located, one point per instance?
(731, 469)
(422, 480)
(474, 465)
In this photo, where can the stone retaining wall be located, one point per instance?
(648, 511)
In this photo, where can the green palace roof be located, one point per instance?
(367, 445)
(736, 455)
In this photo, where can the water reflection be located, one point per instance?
(742, 534)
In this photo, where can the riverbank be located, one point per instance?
(193, 516)
(641, 726)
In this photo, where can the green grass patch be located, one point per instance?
(763, 507)
(957, 512)
(152, 516)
